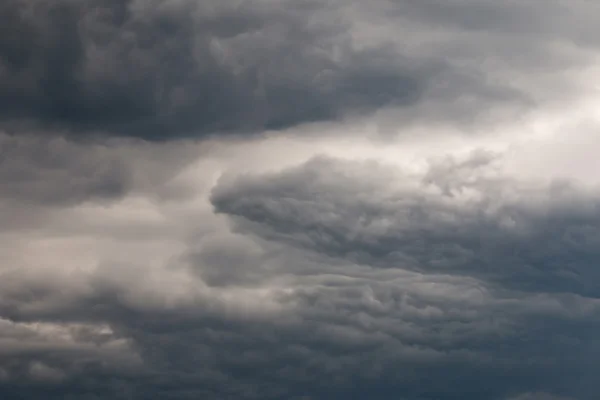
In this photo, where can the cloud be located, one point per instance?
(39, 170)
(329, 335)
(160, 70)
(164, 70)
(273, 310)
(454, 220)
(195, 201)
(44, 170)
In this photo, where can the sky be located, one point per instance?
(299, 199)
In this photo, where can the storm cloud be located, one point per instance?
(315, 199)
(454, 219)
(158, 70)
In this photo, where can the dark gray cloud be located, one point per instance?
(278, 310)
(159, 70)
(129, 271)
(330, 336)
(156, 70)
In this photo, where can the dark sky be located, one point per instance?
(299, 199)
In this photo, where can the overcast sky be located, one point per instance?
(299, 199)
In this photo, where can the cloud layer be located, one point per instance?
(314, 199)
(162, 69)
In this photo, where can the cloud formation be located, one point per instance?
(315, 199)
(454, 220)
(159, 70)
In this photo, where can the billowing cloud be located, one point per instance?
(156, 70)
(315, 199)
(454, 219)
(321, 288)
(163, 69)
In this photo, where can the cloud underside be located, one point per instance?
(161, 70)
(268, 199)
(158, 71)
(329, 279)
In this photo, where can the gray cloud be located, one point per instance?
(40, 171)
(451, 221)
(54, 170)
(128, 270)
(157, 71)
(280, 311)
(328, 336)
